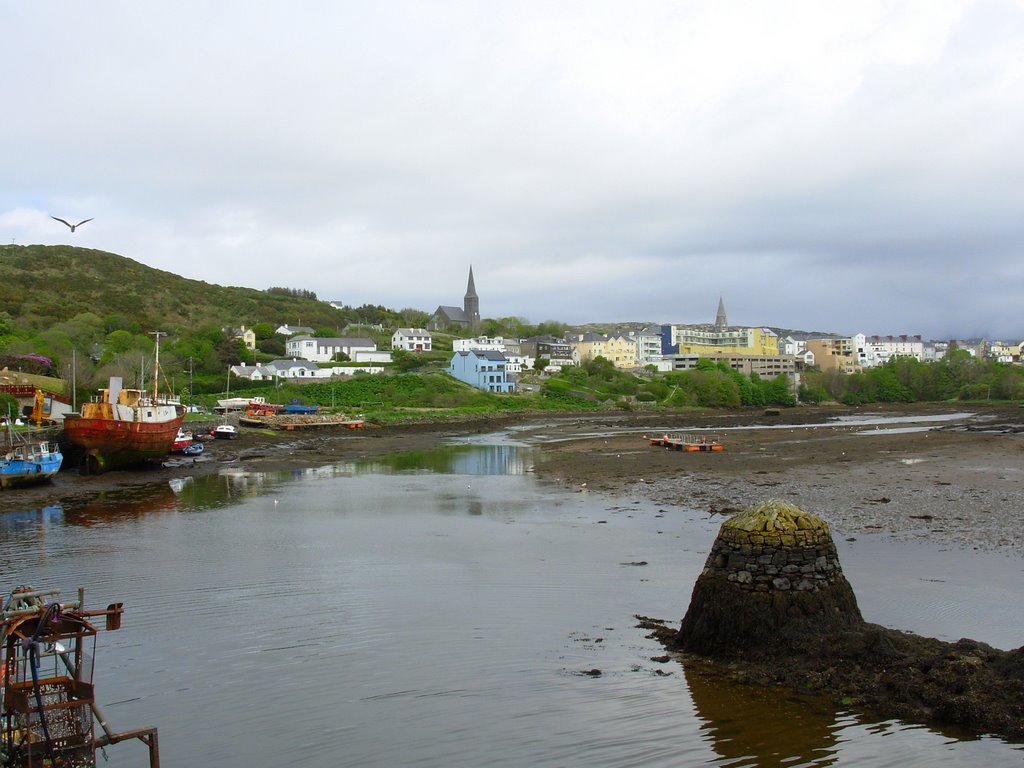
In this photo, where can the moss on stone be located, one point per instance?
(775, 515)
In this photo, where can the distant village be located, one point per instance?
(496, 364)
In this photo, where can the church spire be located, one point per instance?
(471, 303)
(721, 322)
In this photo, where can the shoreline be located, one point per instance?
(960, 483)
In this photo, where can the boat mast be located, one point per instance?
(156, 363)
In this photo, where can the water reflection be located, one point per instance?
(454, 460)
(236, 483)
(765, 727)
(15, 523)
(447, 591)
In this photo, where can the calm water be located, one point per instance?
(440, 609)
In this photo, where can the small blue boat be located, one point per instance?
(192, 449)
(296, 407)
(26, 461)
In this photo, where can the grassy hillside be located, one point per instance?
(43, 285)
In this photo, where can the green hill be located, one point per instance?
(42, 285)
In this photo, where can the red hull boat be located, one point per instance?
(123, 427)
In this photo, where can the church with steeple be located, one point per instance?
(721, 321)
(462, 318)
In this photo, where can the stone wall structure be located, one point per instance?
(773, 572)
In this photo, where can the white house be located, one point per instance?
(252, 372)
(292, 369)
(302, 369)
(885, 347)
(325, 350)
(291, 330)
(480, 344)
(412, 340)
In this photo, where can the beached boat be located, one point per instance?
(181, 441)
(48, 709)
(296, 407)
(687, 442)
(239, 403)
(224, 432)
(122, 427)
(193, 449)
(26, 460)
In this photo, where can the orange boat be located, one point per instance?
(686, 442)
(122, 427)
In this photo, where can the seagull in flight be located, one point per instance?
(72, 226)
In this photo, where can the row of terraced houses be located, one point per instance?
(680, 347)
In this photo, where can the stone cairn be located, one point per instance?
(773, 575)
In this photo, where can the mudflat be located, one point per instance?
(872, 469)
(960, 482)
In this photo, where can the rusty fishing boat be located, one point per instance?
(122, 427)
(49, 712)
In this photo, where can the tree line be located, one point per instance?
(957, 376)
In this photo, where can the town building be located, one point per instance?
(246, 335)
(648, 345)
(618, 349)
(557, 352)
(765, 366)
(291, 330)
(482, 369)
(465, 318)
(252, 372)
(482, 343)
(834, 354)
(884, 348)
(717, 339)
(325, 350)
(1005, 352)
(412, 340)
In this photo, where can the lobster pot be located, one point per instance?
(48, 693)
(61, 728)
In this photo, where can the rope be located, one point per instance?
(49, 614)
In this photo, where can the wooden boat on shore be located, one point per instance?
(686, 442)
(48, 709)
(27, 460)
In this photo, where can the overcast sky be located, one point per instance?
(835, 166)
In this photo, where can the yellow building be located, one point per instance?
(618, 349)
(725, 341)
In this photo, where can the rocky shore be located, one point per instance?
(772, 606)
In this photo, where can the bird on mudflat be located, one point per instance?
(69, 225)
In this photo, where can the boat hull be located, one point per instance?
(18, 472)
(113, 443)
